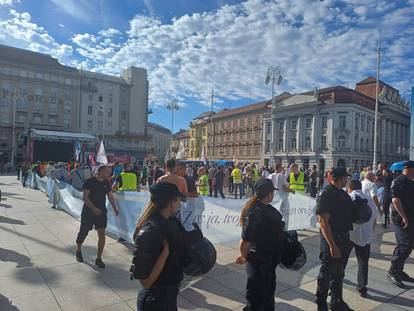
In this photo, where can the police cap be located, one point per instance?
(263, 186)
(408, 164)
(165, 190)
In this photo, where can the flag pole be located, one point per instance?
(374, 162)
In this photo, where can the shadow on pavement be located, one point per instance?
(5, 205)
(8, 255)
(7, 220)
(6, 304)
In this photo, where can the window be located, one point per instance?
(68, 81)
(368, 125)
(281, 125)
(293, 143)
(53, 93)
(68, 96)
(267, 145)
(90, 97)
(307, 143)
(362, 123)
(294, 124)
(89, 124)
(123, 115)
(342, 121)
(280, 144)
(362, 144)
(323, 142)
(100, 125)
(241, 122)
(110, 98)
(100, 98)
(341, 142)
(268, 127)
(356, 122)
(324, 122)
(90, 110)
(110, 112)
(368, 146)
(249, 121)
(100, 113)
(308, 123)
(234, 123)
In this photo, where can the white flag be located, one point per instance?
(167, 156)
(101, 156)
(203, 156)
(180, 152)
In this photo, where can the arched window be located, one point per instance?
(293, 143)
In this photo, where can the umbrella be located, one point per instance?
(397, 166)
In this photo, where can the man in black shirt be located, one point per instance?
(218, 182)
(402, 191)
(386, 196)
(94, 212)
(334, 210)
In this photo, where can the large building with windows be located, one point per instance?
(159, 141)
(335, 126)
(36, 91)
(181, 143)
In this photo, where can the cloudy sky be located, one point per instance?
(190, 47)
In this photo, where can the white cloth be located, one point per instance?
(362, 233)
(278, 180)
(265, 174)
(369, 188)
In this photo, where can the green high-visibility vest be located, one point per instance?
(297, 184)
(129, 181)
(256, 175)
(203, 188)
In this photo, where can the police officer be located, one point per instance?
(261, 246)
(402, 191)
(127, 180)
(334, 210)
(159, 253)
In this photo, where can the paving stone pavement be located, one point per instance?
(38, 270)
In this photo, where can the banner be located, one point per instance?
(219, 219)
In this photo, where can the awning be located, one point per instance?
(57, 135)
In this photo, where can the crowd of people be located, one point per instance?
(347, 206)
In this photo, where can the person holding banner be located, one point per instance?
(94, 212)
(261, 246)
(159, 254)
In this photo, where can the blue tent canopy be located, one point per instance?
(397, 166)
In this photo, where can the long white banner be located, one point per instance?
(218, 218)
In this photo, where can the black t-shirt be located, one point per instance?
(263, 228)
(219, 176)
(403, 189)
(97, 192)
(338, 204)
(387, 184)
(191, 184)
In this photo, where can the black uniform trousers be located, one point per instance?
(362, 254)
(158, 298)
(261, 285)
(405, 244)
(332, 270)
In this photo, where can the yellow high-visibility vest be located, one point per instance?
(237, 176)
(297, 184)
(256, 175)
(203, 187)
(129, 181)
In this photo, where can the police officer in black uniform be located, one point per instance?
(334, 210)
(159, 253)
(261, 246)
(402, 191)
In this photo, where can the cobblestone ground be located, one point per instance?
(38, 270)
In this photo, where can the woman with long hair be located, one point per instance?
(159, 250)
(261, 246)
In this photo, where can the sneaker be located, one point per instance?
(79, 257)
(394, 279)
(340, 306)
(99, 263)
(363, 292)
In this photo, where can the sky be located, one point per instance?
(191, 47)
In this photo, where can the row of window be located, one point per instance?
(35, 75)
(239, 122)
(101, 98)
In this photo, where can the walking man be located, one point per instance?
(402, 215)
(94, 212)
(334, 210)
(218, 182)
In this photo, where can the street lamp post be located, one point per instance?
(172, 105)
(273, 75)
(13, 127)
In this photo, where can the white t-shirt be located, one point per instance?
(265, 174)
(362, 233)
(278, 180)
(369, 188)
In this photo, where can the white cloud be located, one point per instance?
(20, 31)
(110, 32)
(82, 10)
(9, 2)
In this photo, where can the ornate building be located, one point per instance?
(335, 126)
(181, 138)
(237, 133)
(198, 135)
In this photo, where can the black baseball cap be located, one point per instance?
(338, 172)
(263, 186)
(165, 190)
(408, 164)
